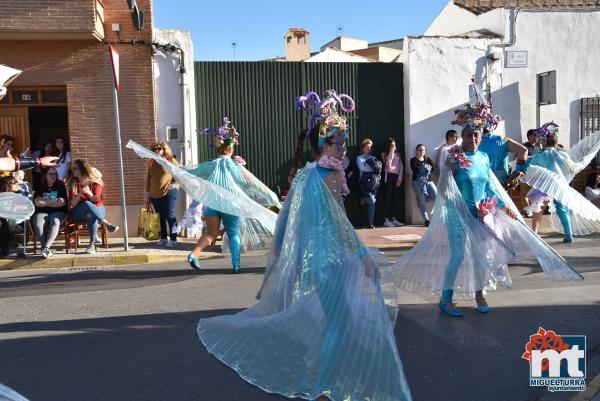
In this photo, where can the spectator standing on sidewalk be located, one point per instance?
(369, 178)
(426, 191)
(393, 171)
(162, 191)
(442, 151)
(64, 158)
(38, 173)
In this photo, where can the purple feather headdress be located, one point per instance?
(478, 116)
(225, 134)
(324, 113)
(547, 131)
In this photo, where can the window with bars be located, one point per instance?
(590, 119)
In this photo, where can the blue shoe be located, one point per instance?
(193, 261)
(449, 309)
(483, 309)
(568, 239)
(482, 306)
(236, 269)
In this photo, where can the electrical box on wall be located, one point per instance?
(546, 85)
(173, 134)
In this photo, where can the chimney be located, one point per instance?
(297, 44)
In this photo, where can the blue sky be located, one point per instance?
(258, 26)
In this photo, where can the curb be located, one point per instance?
(118, 260)
(591, 390)
(108, 260)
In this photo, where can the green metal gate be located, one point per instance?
(259, 99)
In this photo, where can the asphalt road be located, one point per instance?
(129, 333)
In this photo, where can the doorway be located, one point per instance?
(46, 124)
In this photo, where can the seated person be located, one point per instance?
(7, 227)
(50, 209)
(592, 188)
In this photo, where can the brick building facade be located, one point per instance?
(62, 45)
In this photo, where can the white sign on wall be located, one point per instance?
(516, 58)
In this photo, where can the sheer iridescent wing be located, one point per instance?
(257, 190)
(579, 224)
(225, 196)
(525, 242)
(8, 394)
(453, 232)
(557, 188)
(584, 151)
(15, 207)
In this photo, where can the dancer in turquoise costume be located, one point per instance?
(323, 326)
(497, 147)
(8, 394)
(467, 247)
(230, 194)
(550, 172)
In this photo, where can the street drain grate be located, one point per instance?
(83, 268)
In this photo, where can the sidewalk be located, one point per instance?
(142, 251)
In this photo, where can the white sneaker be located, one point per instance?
(171, 244)
(45, 252)
(91, 249)
(397, 223)
(388, 223)
(162, 242)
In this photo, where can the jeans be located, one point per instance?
(232, 228)
(52, 220)
(92, 214)
(166, 208)
(391, 195)
(421, 199)
(370, 200)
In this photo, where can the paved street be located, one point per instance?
(128, 333)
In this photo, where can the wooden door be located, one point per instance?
(14, 121)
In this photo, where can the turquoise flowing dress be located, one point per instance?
(460, 252)
(324, 321)
(550, 173)
(225, 186)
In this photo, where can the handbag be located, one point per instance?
(149, 223)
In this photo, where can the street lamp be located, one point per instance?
(233, 44)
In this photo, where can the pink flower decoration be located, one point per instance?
(486, 207)
(239, 160)
(335, 164)
(457, 155)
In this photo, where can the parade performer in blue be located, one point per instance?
(230, 195)
(550, 172)
(323, 326)
(476, 230)
(497, 147)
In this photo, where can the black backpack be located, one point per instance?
(369, 182)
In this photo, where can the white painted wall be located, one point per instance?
(330, 55)
(175, 98)
(397, 44)
(563, 41)
(346, 43)
(454, 20)
(387, 54)
(437, 73)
